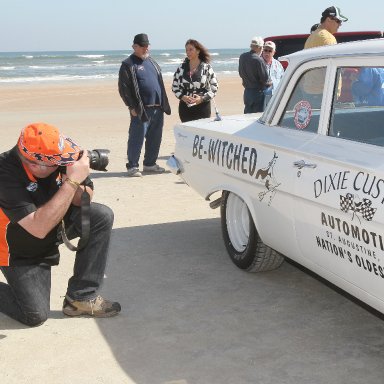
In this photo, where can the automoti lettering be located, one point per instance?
(354, 231)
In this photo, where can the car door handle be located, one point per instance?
(302, 164)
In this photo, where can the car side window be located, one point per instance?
(358, 105)
(303, 108)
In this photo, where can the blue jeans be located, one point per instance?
(26, 297)
(152, 131)
(253, 100)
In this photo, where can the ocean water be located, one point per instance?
(30, 67)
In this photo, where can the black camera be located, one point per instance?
(98, 159)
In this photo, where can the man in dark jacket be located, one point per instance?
(142, 89)
(254, 75)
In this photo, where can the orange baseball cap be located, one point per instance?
(44, 142)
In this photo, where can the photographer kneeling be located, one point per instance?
(43, 181)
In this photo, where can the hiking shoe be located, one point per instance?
(97, 307)
(153, 168)
(134, 172)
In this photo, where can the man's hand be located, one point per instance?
(76, 173)
(79, 170)
(46, 217)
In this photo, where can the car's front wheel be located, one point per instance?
(241, 238)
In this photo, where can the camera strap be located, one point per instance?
(85, 211)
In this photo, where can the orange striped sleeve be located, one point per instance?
(4, 249)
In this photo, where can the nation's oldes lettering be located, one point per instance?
(367, 265)
(353, 243)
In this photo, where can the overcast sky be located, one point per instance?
(52, 25)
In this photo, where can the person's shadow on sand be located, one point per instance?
(186, 307)
(190, 316)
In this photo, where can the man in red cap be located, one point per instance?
(42, 183)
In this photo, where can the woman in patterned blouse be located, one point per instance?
(194, 83)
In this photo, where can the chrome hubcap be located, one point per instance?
(237, 215)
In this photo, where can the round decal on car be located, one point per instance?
(303, 114)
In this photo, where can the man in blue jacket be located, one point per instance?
(142, 89)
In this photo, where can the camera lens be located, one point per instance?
(98, 159)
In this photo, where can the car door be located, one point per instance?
(339, 188)
(293, 122)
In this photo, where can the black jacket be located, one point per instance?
(21, 194)
(253, 71)
(129, 88)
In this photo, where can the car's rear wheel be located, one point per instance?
(241, 238)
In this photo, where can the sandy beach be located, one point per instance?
(93, 113)
(76, 107)
(189, 316)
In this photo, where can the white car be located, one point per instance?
(306, 178)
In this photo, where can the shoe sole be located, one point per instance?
(137, 174)
(152, 171)
(82, 313)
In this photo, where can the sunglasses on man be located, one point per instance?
(337, 20)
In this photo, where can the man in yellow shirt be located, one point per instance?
(331, 20)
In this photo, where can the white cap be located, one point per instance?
(257, 41)
(270, 44)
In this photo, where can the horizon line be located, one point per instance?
(111, 50)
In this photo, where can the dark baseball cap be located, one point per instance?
(334, 12)
(141, 39)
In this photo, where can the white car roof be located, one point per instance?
(355, 48)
